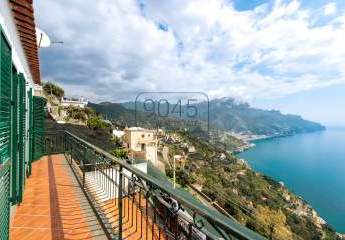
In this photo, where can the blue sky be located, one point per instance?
(325, 105)
(243, 5)
(282, 54)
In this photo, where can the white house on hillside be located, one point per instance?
(118, 133)
(141, 140)
(80, 102)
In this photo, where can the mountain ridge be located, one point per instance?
(237, 116)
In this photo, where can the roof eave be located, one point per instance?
(23, 13)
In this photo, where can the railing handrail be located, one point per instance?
(234, 228)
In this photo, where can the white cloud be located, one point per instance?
(115, 49)
(330, 9)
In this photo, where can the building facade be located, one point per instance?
(21, 112)
(141, 140)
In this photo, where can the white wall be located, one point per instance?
(74, 104)
(151, 153)
(18, 56)
(9, 27)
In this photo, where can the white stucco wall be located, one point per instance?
(73, 104)
(18, 55)
(135, 138)
(151, 153)
(118, 133)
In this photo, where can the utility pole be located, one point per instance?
(174, 173)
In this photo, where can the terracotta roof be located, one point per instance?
(23, 14)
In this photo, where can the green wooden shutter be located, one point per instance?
(21, 134)
(14, 138)
(5, 99)
(4, 200)
(30, 131)
(5, 134)
(38, 127)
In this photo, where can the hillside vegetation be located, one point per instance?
(255, 200)
(122, 116)
(83, 122)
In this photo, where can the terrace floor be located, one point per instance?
(54, 206)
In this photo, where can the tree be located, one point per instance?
(273, 223)
(52, 89)
(183, 178)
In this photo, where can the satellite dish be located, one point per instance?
(43, 39)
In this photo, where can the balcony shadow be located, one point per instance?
(56, 223)
(71, 214)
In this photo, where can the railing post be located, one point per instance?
(83, 176)
(64, 143)
(120, 202)
(71, 150)
(83, 166)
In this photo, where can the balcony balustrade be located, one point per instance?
(118, 202)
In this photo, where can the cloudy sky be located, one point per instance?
(284, 54)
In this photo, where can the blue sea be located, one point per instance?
(312, 165)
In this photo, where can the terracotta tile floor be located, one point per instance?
(135, 224)
(54, 206)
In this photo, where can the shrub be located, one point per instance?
(76, 113)
(182, 176)
(52, 89)
(115, 140)
(273, 223)
(120, 153)
(59, 110)
(89, 112)
(96, 122)
(169, 171)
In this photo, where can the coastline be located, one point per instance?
(251, 139)
(307, 203)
